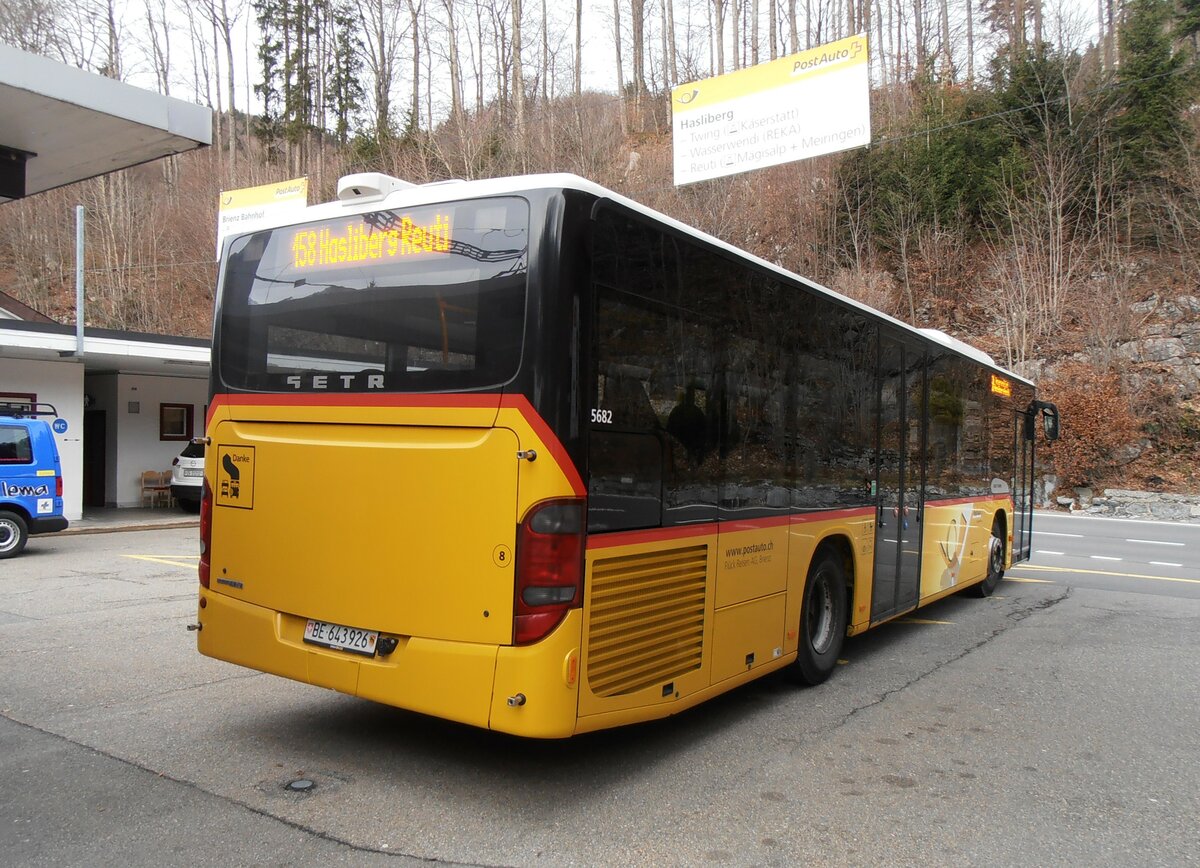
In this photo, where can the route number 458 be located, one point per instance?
(602, 417)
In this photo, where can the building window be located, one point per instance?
(16, 400)
(175, 421)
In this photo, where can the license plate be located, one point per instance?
(189, 472)
(342, 638)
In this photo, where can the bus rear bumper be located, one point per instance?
(461, 681)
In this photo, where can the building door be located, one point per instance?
(94, 422)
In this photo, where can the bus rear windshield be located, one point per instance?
(419, 299)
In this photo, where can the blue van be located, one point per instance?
(31, 484)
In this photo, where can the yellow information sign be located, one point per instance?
(235, 477)
(252, 208)
(811, 103)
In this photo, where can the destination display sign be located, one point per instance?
(356, 243)
(800, 106)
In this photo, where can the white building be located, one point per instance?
(128, 401)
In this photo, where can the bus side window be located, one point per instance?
(651, 381)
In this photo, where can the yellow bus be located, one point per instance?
(525, 454)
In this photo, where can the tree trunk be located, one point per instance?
(718, 33)
(970, 45)
(518, 85)
(772, 29)
(414, 109)
(754, 32)
(545, 76)
(947, 54)
(620, 67)
(735, 40)
(673, 62)
(637, 31)
(456, 106)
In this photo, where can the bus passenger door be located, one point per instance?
(901, 396)
(1024, 425)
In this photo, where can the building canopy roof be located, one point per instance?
(59, 125)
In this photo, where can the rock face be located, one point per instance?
(1169, 354)
(1123, 503)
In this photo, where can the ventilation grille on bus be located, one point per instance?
(647, 619)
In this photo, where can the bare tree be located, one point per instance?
(578, 48)
(383, 34)
(223, 16)
(720, 9)
(518, 75)
(753, 32)
(620, 65)
(158, 31)
(672, 61)
(29, 25)
(415, 8)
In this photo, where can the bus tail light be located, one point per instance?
(549, 578)
(58, 486)
(205, 533)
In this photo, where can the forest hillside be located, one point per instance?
(1032, 187)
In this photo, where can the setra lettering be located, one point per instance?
(340, 382)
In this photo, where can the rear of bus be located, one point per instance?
(389, 510)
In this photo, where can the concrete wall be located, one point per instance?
(133, 442)
(61, 384)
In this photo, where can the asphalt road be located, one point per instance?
(1051, 724)
(1150, 557)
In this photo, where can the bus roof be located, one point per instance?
(405, 195)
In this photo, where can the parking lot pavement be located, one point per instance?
(985, 732)
(65, 804)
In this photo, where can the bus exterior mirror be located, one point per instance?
(1050, 421)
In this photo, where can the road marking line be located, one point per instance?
(921, 621)
(1165, 564)
(1156, 542)
(1050, 516)
(1044, 552)
(1025, 581)
(1106, 573)
(167, 559)
(1102, 558)
(1052, 533)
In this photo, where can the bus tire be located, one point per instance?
(13, 534)
(823, 619)
(995, 569)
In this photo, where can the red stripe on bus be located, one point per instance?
(521, 404)
(664, 534)
(655, 534)
(515, 402)
(955, 501)
(857, 512)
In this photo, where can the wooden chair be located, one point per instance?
(168, 498)
(153, 490)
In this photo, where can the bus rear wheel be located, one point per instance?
(13, 534)
(823, 619)
(995, 568)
